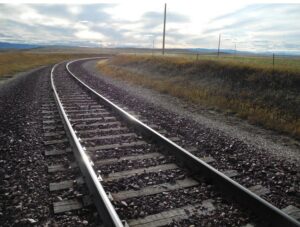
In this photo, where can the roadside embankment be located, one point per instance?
(262, 96)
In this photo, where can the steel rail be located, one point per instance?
(231, 188)
(104, 207)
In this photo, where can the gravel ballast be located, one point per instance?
(269, 141)
(24, 180)
(25, 199)
(23, 186)
(258, 163)
(145, 189)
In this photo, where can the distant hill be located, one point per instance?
(4, 45)
(222, 51)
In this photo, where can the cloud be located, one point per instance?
(75, 10)
(153, 19)
(30, 16)
(259, 26)
(271, 24)
(171, 17)
(90, 35)
(271, 17)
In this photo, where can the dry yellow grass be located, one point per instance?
(261, 99)
(14, 62)
(284, 64)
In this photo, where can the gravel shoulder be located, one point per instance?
(12, 78)
(23, 174)
(25, 199)
(271, 142)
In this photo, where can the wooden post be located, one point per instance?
(164, 31)
(273, 61)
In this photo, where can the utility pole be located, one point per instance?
(164, 32)
(219, 44)
(153, 47)
(235, 50)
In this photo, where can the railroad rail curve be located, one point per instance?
(103, 205)
(108, 214)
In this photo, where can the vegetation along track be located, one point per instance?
(135, 173)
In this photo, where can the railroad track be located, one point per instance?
(137, 175)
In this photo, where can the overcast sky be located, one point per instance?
(254, 27)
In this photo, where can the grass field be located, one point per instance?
(248, 88)
(280, 63)
(291, 64)
(19, 61)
